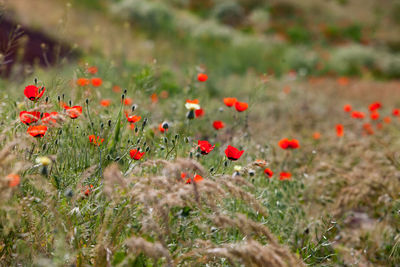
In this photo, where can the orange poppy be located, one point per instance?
(230, 101)
(387, 119)
(128, 101)
(116, 89)
(73, 112)
(37, 131)
(285, 176)
(339, 130)
(316, 135)
(50, 117)
(92, 70)
(95, 140)
(358, 115)
(289, 144)
(347, 108)
(374, 115)
(96, 82)
(241, 106)
(105, 102)
(368, 128)
(13, 179)
(154, 98)
(83, 82)
(133, 118)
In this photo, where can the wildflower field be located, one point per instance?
(199, 133)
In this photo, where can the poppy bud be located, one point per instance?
(70, 103)
(144, 123)
(117, 159)
(109, 123)
(165, 140)
(190, 115)
(133, 108)
(47, 99)
(69, 193)
(101, 125)
(173, 141)
(136, 129)
(176, 136)
(129, 141)
(221, 109)
(87, 101)
(60, 132)
(123, 96)
(211, 169)
(165, 125)
(145, 143)
(56, 142)
(197, 155)
(162, 148)
(63, 97)
(147, 149)
(186, 140)
(44, 146)
(108, 157)
(191, 155)
(252, 172)
(125, 91)
(59, 98)
(138, 141)
(226, 163)
(35, 81)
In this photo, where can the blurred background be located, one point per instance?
(313, 38)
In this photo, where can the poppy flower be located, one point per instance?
(33, 93)
(13, 179)
(230, 101)
(347, 108)
(136, 154)
(218, 125)
(95, 140)
(233, 153)
(88, 190)
(161, 128)
(50, 117)
(205, 147)
(192, 104)
(197, 178)
(268, 172)
(241, 106)
(105, 102)
(316, 135)
(289, 144)
(368, 128)
(260, 163)
(358, 115)
(285, 176)
(374, 106)
(202, 77)
(37, 131)
(199, 113)
(374, 115)
(96, 82)
(133, 118)
(82, 82)
(387, 119)
(154, 98)
(92, 70)
(128, 101)
(116, 89)
(396, 112)
(73, 112)
(339, 130)
(28, 117)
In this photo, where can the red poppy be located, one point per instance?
(230, 101)
(202, 77)
(218, 125)
(316, 135)
(358, 115)
(95, 140)
(92, 70)
(96, 82)
(73, 112)
(116, 89)
(205, 147)
(374, 115)
(50, 117)
(161, 128)
(28, 117)
(241, 106)
(13, 179)
(368, 128)
(347, 108)
(194, 101)
(128, 101)
(289, 144)
(136, 154)
(387, 119)
(285, 176)
(268, 172)
(133, 118)
(197, 178)
(88, 190)
(396, 112)
(374, 106)
(233, 153)
(199, 112)
(105, 102)
(37, 131)
(33, 93)
(339, 130)
(83, 82)
(154, 98)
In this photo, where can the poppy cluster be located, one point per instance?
(289, 144)
(239, 106)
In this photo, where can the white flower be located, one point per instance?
(192, 106)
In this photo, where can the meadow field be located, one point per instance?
(199, 133)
